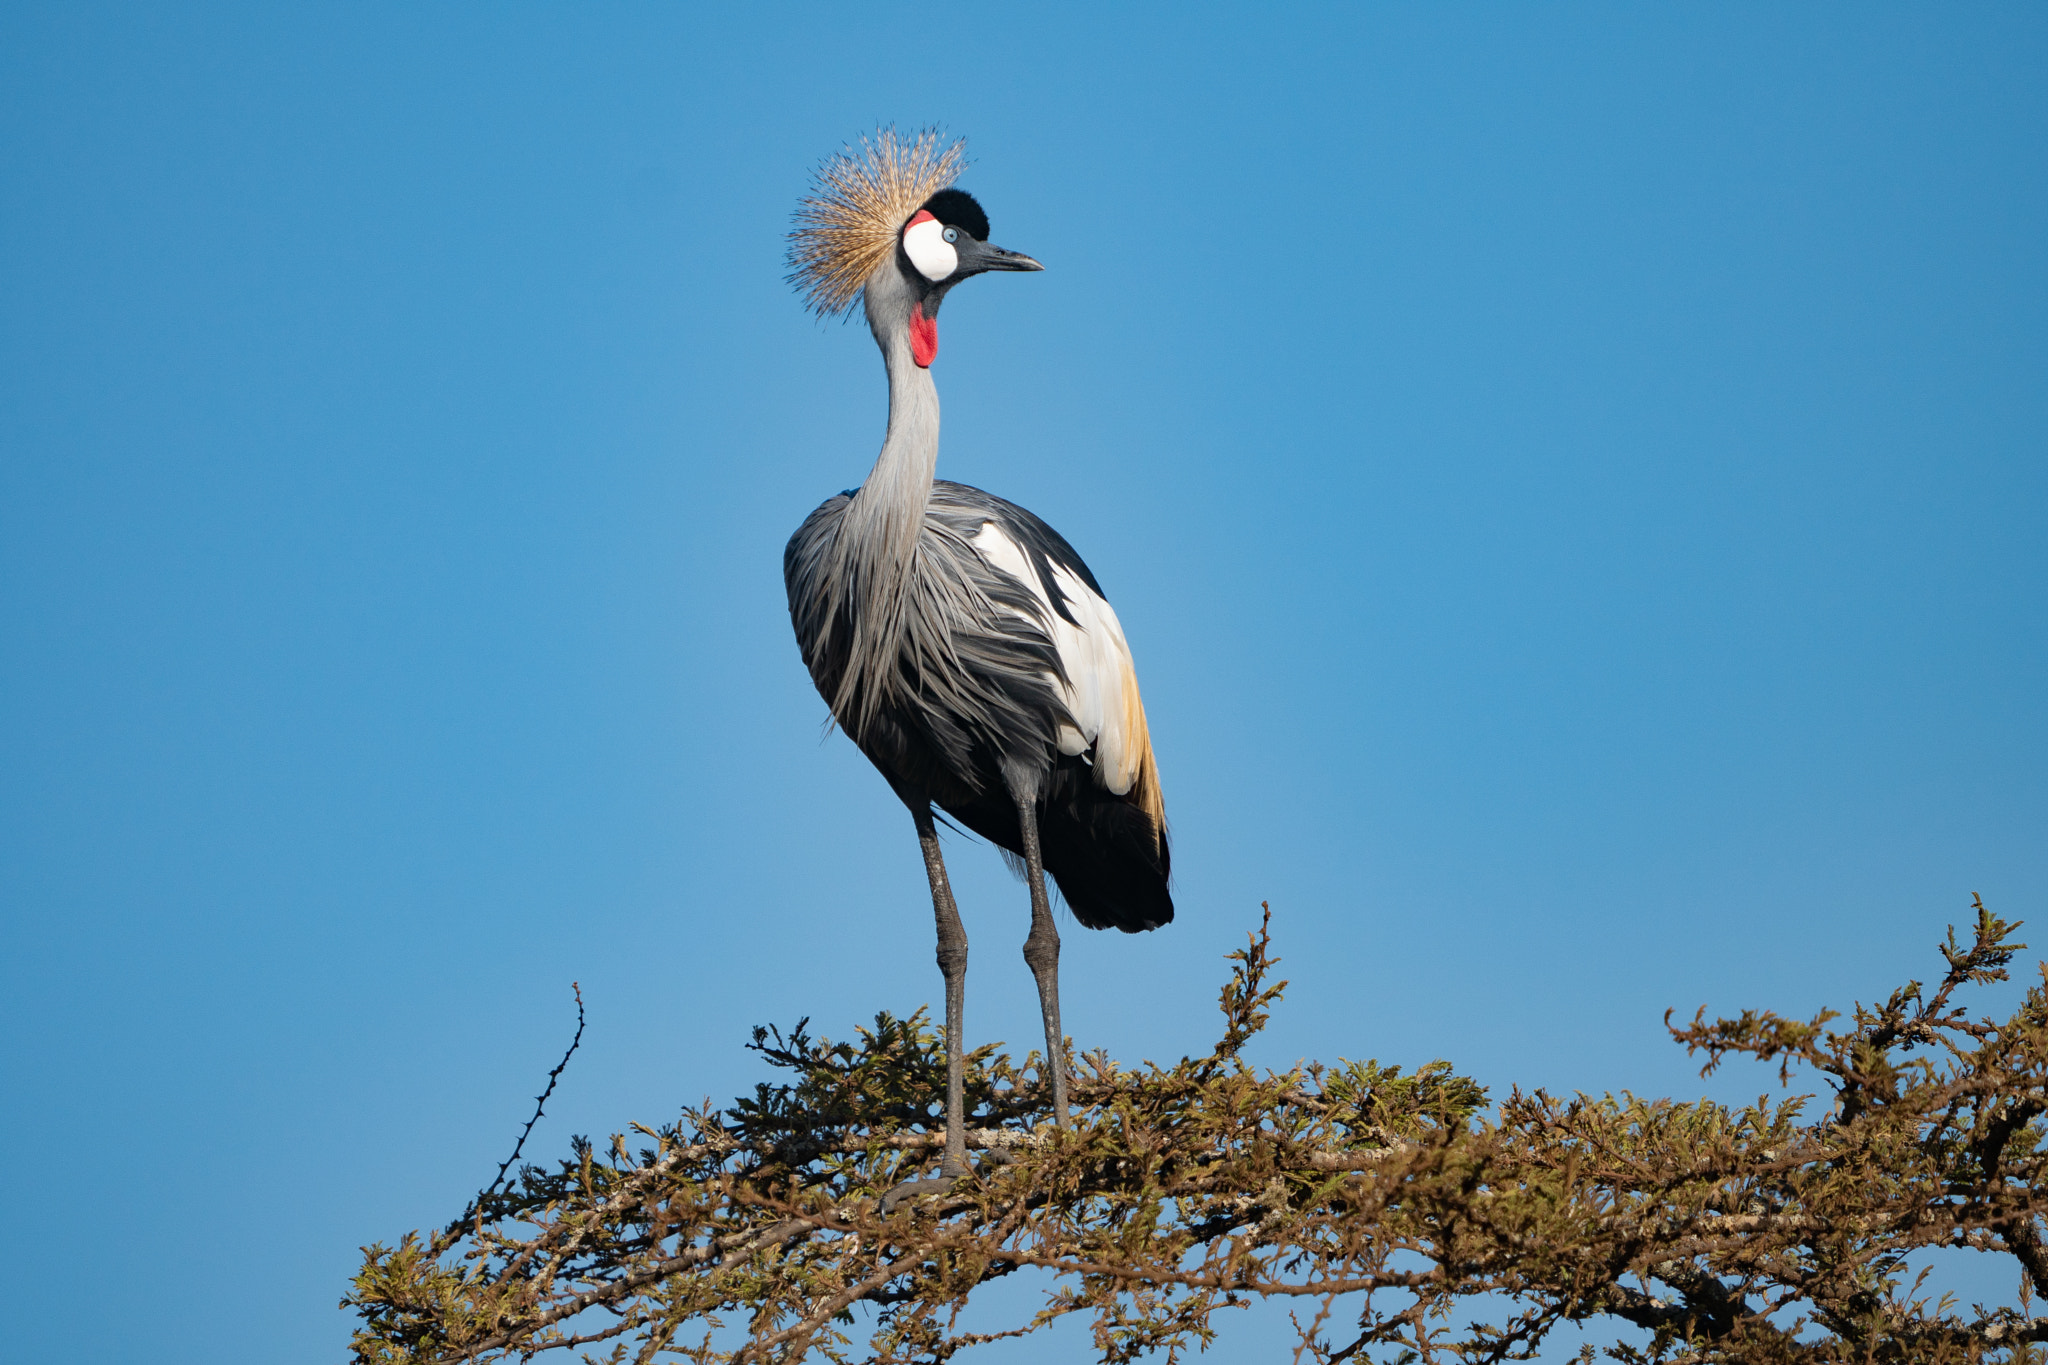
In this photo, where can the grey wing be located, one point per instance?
(957, 659)
(1096, 679)
(1046, 548)
(814, 599)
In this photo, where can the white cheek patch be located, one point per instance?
(926, 245)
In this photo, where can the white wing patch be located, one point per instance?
(1101, 691)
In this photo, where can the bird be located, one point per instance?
(957, 639)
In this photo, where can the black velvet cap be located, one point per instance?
(957, 208)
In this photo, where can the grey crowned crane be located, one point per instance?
(958, 639)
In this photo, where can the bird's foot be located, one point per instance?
(941, 1183)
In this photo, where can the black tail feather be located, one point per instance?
(1108, 865)
(1100, 849)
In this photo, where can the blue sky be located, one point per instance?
(1572, 477)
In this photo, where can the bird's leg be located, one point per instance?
(1042, 954)
(953, 963)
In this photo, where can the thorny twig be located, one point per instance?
(540, 1104)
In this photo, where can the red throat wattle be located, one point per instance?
(924, 337)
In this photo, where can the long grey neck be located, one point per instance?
(902, 477)
(878, 537)
(882, 524)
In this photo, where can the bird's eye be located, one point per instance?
(930, 248)
(952, 234)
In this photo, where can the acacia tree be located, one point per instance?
(1391, 1207)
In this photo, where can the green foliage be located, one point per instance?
(1385, 1201)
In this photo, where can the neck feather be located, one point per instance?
(884, 521)
(877, 542)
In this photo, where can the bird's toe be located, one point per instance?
(910, 1190)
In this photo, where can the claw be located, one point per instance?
(917, 1189)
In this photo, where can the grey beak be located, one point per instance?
(995, 258)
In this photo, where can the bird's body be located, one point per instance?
(1006, 651)
(958, 639)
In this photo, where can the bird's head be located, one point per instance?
(944, 242)
(884, 225)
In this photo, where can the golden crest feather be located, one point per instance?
(860, 199)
